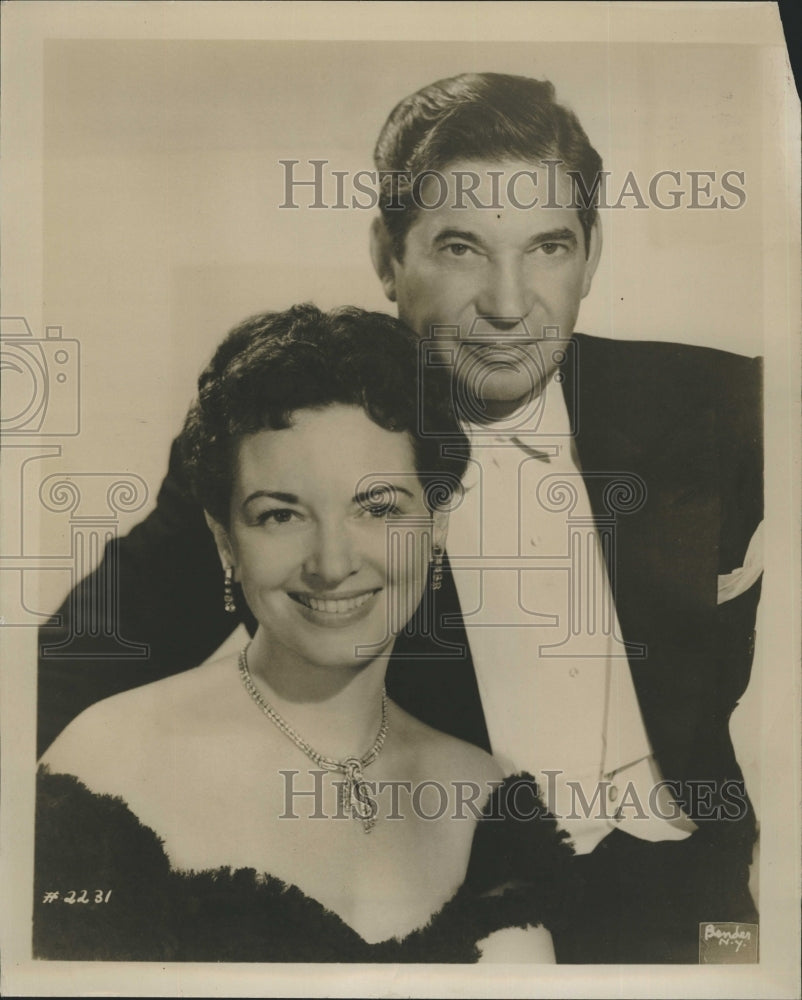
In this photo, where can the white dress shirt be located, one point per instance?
(551, 666)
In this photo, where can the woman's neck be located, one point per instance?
(337, 711)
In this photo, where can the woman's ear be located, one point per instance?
(381, 253)
(222, 541)
(440, 529)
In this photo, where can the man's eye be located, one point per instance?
(458, 249)
(550, 249)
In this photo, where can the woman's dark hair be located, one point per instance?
(275, 364)
(485, 117)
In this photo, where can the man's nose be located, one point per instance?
(333, 556)
(506, 295)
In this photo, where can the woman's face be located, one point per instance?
(329, 535)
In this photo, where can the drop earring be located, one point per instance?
(437, 567)
(228, 591)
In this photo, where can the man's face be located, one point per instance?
(504, 278)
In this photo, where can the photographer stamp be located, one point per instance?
(727, 943)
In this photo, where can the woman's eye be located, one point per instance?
(279, 516)
(382, 509)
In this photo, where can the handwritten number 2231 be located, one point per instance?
(83, 897)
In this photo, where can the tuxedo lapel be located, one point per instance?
(431, 672)
(644, 418)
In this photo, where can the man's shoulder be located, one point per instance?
(668, 350)
(657, 365)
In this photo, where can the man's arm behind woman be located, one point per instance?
(160, 587)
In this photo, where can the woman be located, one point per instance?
(277, 805)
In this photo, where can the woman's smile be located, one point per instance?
(335, 611)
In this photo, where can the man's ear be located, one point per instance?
(594, 253)
(381, 253)
(222, 541)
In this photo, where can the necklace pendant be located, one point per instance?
(355, 794)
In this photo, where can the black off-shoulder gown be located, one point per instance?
(104, 890)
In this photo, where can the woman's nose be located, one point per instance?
(333, 556)
(506, 295)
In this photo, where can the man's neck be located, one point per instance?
(495, 410)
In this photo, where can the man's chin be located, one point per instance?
(493, 398)
(498, 405)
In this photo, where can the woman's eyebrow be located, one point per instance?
(366, 497)
(271, 495)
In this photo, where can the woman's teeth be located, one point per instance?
(335, 607)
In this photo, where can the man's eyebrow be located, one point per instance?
(271, 495)
(456, 234)
(562, 235)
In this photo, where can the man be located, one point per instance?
(603, 554)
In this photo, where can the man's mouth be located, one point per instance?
(333, 606)
(510, 341)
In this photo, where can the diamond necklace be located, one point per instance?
(354, 792)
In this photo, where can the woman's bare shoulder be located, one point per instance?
(127, 729)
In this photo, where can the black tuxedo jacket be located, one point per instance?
(685, 422)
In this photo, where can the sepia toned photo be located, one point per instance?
(400, 435)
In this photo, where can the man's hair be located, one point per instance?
(275, 364)
(478, 116)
